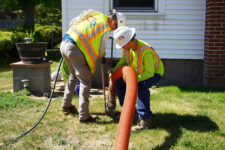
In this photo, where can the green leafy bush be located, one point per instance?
(6, 42)
(44, 34)
(9, 38)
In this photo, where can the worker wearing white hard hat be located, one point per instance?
(145, 61)
(123, 35)
(81, 53)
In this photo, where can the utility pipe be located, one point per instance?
(127, 114)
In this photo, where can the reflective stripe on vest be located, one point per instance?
(86, 15)
(141, 49)
(86, 44)
(96, 31)
(88, 40)
(127, 57)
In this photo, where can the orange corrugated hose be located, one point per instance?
(127, 114)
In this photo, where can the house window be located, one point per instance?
(134, 5)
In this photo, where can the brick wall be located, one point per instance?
(214, 57)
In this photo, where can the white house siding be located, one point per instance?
(176, 31)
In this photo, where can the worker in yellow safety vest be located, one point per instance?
(82, 45)
(148, 68)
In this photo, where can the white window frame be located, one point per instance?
(136, 10)
(159, 9)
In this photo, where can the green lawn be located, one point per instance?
(184, 118)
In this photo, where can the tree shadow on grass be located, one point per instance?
(200, 89)
(194, 88)
(114, 119)
(173, 123)
(5, 69)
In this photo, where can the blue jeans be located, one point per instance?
(143, 100)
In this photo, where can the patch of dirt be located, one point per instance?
(154, 90)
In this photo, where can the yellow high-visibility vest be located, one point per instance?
(87, 34)
(142, 49)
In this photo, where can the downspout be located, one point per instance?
(127, 114)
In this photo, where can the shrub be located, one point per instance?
(44, 34)
(9, 38)
(6, 42)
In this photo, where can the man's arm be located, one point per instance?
(122, 62)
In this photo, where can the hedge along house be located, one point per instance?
(188, 35)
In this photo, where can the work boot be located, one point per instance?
(142, 124)
(111, 106)
(72, 109)
(91, 118)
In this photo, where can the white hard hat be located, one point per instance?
(121, 19)
(123, 35)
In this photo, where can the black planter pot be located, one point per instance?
(32, 52)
